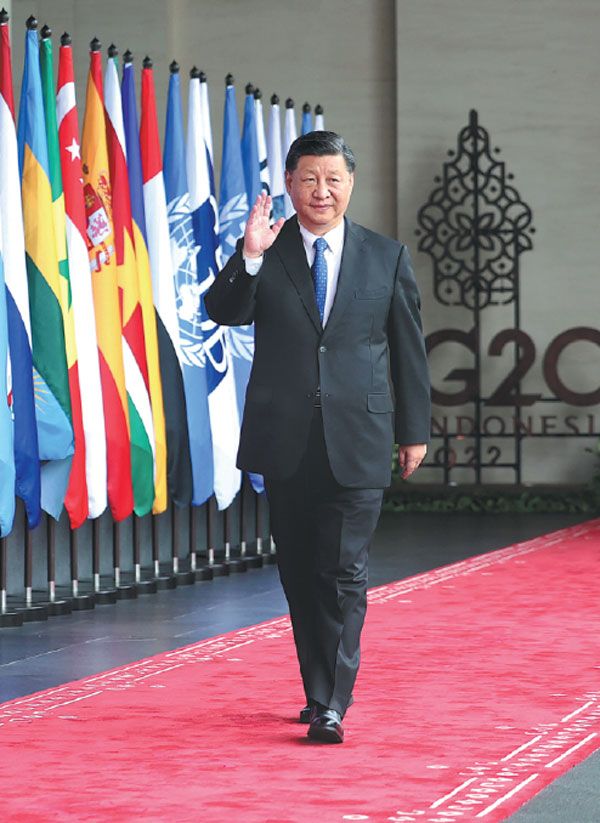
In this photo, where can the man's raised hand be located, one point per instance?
(259, 234)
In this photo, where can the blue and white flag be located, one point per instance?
(233, 197)
(232, 219)
(188, 297)
(275, 159)
(261, 143)
(306, 119)
(250, 157)
(289, 135)
(319, 118)
(7, 458)
(222, 402)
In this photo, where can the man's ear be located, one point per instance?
(288, 181)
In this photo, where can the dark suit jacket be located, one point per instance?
(375, 314)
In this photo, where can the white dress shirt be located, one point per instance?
(333, 256)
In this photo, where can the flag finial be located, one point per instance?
(95, 45)
(229, 80)
(249, 88)
(128, 57)
(31, 23)
(306, 108)
(113, 51)
(318, 109)
(195, 73)
(46, 32)
(4, 17)
(147, 62)
(289, 103)
(274, 100)
(65, 39)
(257, 94)
(174, 67)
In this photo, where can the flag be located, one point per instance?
(306, 119)
(222, 404)
(261, 143)
(188, 293)
(51, 378)
(7, 457)
(233, 197)
(319, 118)
(141, 427)
(275, 159)
(76, 498)
(86, 344)
(136, 181)
(179, 468)
(26, 452)
(233, 215)
(250, 157)
(101, 250)
(289, 135)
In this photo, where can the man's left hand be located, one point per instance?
(410, 458)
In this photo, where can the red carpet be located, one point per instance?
(479, 686)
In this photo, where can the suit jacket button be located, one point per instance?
(322, 349)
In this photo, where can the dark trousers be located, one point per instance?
(323, 532)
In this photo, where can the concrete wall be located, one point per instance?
(531, 70)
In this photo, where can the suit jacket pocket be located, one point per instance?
(259, 394)
(380, 403)
(372, 294)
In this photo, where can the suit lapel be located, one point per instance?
(290, 248)
(350, 272)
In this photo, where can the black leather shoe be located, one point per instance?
(305, 713)
(326, 726)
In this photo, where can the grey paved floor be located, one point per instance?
(38, 656)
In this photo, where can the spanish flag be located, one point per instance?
(103, 263)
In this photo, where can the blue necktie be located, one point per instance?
(319, 273)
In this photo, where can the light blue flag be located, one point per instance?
(307, 124)
(7, 459)
(250, 157)
(222, 402)
(188, 294)
(275, 159)
(233, 214)
(233, 198)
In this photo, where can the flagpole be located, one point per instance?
(7, 618)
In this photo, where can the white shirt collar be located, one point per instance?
(334, 238)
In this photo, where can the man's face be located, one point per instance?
(320, 189)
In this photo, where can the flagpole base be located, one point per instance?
(204, 573)
(127, 591)
(10, 619)
(185, 578)
(146, 586)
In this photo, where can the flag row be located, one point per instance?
(120, 390)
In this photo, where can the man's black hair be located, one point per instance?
(319, 143)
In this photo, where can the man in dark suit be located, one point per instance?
(336, 313)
